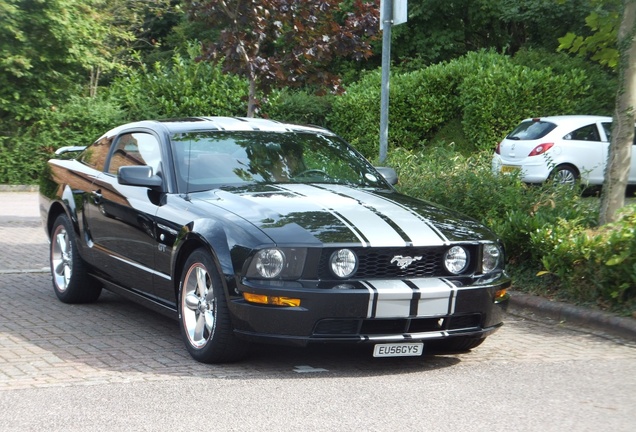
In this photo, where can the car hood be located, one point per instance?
(327, 214)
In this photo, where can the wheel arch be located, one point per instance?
(63, 205)
(570, 165)
(214, 241)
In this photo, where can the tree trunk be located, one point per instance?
(620, 150)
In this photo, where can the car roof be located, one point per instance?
(191, 124)
(572, 120)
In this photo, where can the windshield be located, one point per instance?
(211, 159)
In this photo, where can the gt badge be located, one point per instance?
(404, 261)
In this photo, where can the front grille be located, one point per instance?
(375, 263)
(355, 327)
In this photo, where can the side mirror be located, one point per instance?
(389, 174)
(139, 176)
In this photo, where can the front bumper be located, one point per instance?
(371, 311)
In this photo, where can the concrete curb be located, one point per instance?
(563, 312)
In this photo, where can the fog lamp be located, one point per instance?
(344, 263)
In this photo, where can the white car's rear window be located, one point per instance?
(531, 130)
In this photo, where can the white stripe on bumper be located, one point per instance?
(396, 299)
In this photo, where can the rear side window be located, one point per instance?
(531, 130)
(586, 133)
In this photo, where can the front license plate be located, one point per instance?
(398, 350)
(506, 169)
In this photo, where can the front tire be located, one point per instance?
(71, 281)
(204, 317)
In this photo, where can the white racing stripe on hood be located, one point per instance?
(394, 298)
(371, 226)
(419, 230)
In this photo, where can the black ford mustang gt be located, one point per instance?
(255, 230)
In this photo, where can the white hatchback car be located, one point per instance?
(565, 148)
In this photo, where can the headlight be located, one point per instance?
(277, 263)
(269, 262)
(456, 259)
(343, 263)
(490, 257)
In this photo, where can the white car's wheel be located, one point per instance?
(565, 175)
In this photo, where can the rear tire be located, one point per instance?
(565, 175)
(204, 317)
(71, 281)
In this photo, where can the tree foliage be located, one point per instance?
(45, 45)
(292, 43)
(598, 41)
(440, 31)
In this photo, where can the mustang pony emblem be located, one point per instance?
(404, 261)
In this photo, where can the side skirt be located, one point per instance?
(169, 311)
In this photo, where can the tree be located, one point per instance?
(44, 48)
(612, 43)
(441, 31)
(619, 160)
(287, 43)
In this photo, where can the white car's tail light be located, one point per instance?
(540, 149)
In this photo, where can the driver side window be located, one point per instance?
(135, 149)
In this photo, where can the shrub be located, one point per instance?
(298, 107)
(77, 122)
(598, 99)
(489, 92)
(592, 264)
(494, 100)
(542, 226)
(184, 88)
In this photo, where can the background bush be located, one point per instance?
(488, 92)
(299, 107)
(594, 265)
(184, 88)
(78, 122)
(551, 235)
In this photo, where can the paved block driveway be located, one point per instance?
(113, 366)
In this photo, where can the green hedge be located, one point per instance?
(592, 265)
(184, 88)
(488, 91)
(552, 241)
(297, 106)
(77, 122)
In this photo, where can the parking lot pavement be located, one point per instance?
(45, 343)
(23, 243)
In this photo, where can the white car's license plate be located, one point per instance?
(398, 349)
(506, 169)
